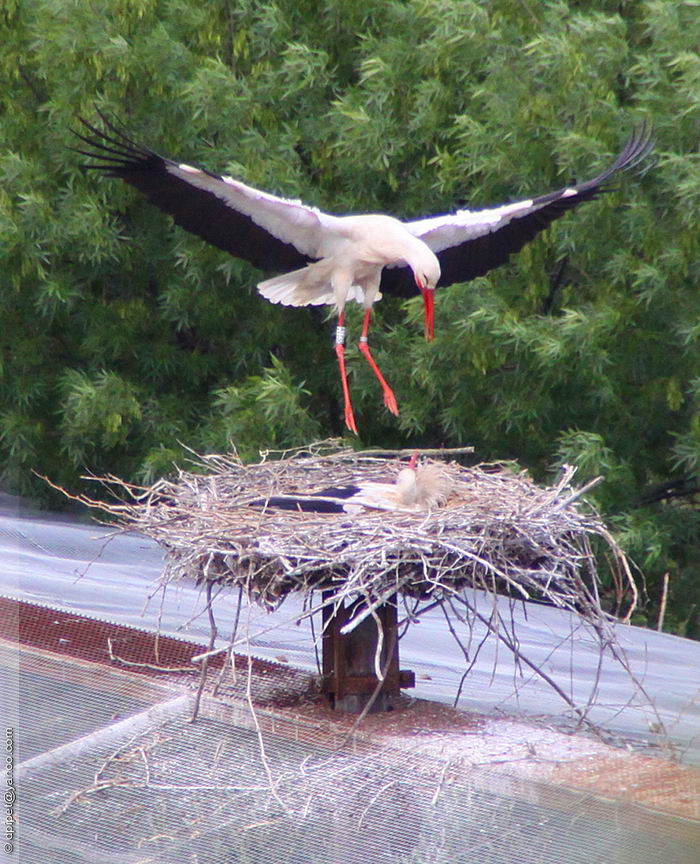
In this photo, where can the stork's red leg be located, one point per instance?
(389, 398)
(340, 354)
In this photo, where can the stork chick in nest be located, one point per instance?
(417, 487)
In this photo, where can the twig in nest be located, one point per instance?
(230, 656)
(261, 744)
(662, 606)
(205, 663)
(152, 666)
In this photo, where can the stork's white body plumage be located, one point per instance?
(328, 259)
(354, 251)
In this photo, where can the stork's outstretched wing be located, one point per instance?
(469, 243)
(274, 234)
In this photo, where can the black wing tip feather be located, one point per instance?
(113, 149)
(634, 155)
(638, 148)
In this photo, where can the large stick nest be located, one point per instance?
(497, 531)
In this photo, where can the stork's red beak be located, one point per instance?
(429, 303)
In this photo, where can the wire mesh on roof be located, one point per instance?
(154, 788)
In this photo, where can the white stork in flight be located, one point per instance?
(328, 259)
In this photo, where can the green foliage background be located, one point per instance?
(123, 339)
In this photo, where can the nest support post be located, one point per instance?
(350, 659)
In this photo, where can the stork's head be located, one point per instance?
(426, 272)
